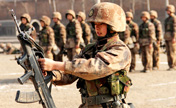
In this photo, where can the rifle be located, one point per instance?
(29, 61)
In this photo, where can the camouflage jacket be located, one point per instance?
(158, 29)
(26, 29)
(74, 31)
(134, 30)
(170, 27)
(60, 34)
(46, 38)
(147, 33)
(86, 32)
(95, 64)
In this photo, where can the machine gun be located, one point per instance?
(29, 61)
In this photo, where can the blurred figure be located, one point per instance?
(10, 49)
(74, 35)
(3, 47)
(170, 37)
(134, 34)
(46, 37)
(158, 35)
(86, 32)
(146, 39)
(60, 35)
(26, 26)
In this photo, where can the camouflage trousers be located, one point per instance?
(133, 59)
(147, 57)
(171, 53)
(58, 57)
(46, 53)
(156, 53)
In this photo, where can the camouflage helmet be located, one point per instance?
(154, 13)
(8, 45)
(2, 45)
(57, 15)
(129, 15)
(82, 15)
(170, 8)
(71, 12)
(108, 13)
(145, 14)
(46, 20)
(27, 16)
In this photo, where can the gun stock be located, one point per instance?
(29, 61)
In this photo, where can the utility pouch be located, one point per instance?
(119, 83)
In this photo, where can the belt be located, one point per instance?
(97, 100)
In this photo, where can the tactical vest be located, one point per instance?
(57, 35)
(132, 30)
(44, 37)
(144, 30)
(71, 30)
(169, 27)
(155, 22)
(116, 84)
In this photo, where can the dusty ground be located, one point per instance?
(156, 89)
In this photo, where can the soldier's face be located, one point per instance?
(79, 18)
(42, 23)
(144, 19)
(128, 18)
(69, 17)
(55, 20)
(168, 12)
(101, 29)
(152, 17)
(23, 20)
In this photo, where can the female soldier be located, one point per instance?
(101, 67)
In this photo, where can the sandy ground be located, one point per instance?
(156, 89)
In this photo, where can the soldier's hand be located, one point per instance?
(46, 64)
(150, 45)
(173, 40)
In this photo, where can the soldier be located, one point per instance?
(146, 39)
(134, 34)
(25, 26)
(60, 35)
(74, 35)
(10, 49)
(86, 32)
(158, 35)
(46, 37)
(170, 36)
(101, 65)
(2, 46)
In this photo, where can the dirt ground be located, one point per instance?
(156, 89)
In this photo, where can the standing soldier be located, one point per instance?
(146, 39)
(134, 34)
(158, 35)
(102, 67)
(86, 32)
(46, 37)
(74, 35)
(25, 26)
(60, 35)
(170, 36)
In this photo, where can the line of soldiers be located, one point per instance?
(9, 49)
(54, 40)
(148, 36)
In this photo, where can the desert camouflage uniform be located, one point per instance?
(60, 37)
(86, 32)
(170, 33)
(74, 36)
(158, 35)
(46, 38)
(28, 26)
(134, 34)
(100, 62)
(2, 46)
(146, 38)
